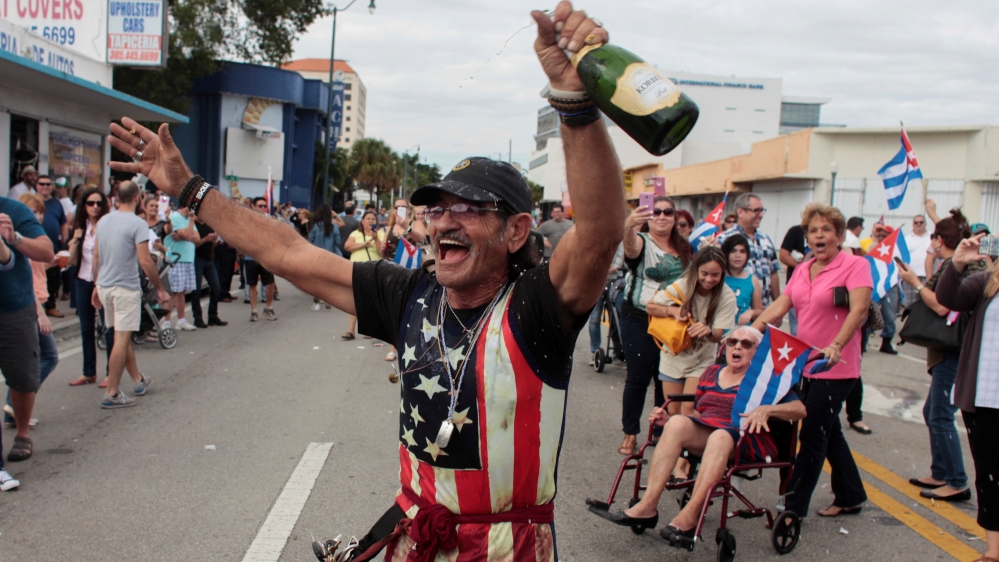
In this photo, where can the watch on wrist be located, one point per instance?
(17, 239)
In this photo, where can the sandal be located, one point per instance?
(83, 380)
(348, 336)
(390, 356)
(21, 450)
(627, 446)
(842, 511)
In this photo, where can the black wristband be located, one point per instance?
(189, 187)
(581, 118)
(199, 197)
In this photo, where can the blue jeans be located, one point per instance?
(48, 358)
(595, 317)
(889, 309)
(83, 289)
(206, 268)
(938, 412)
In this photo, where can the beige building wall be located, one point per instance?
(355, 94)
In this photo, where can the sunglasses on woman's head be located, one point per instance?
(669, 212)
(745, 344)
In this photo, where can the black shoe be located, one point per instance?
(887, 348)
(860, 429)
(199, 323)
(246, 301)
(921, 484)
(958, 497)
(217, 322)
(677, 538)
(625, 520)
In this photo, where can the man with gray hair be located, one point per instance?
(121, 242)
(762, 253)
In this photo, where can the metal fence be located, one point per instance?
(865, 197)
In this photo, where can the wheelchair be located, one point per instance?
(785, 526)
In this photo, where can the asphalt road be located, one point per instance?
(194, 470)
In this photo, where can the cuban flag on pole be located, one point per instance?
(408, 255)
(884, 272)
(776, 367)
(709, 226)
(899, 172)
(269, 192)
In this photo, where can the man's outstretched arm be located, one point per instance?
(579, 264)
(272, 243)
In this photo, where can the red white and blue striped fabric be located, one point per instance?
(520, 430)
(408, 254)
(709, 226)
(776, 367)
(884, 272)
(899, 172)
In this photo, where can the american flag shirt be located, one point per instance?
(508, 421)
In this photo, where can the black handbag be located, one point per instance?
(926, 328)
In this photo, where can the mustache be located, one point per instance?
(452, 236)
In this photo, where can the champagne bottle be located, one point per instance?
(636, 96)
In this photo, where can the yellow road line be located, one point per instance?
(943, 509)
(942, 539)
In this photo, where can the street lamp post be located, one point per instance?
(329, 100)
(405, 168)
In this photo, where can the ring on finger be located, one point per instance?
(138, 156)
(142, 143)
(597, 22)
(132, 130)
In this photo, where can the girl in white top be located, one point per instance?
(711, 306)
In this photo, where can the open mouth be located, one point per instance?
(737, 355)
(452, 250)
(820, 247)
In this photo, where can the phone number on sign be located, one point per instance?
(57, 34)
(115, 55)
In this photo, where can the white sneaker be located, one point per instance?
(7, 482)
(165, 324)
(315, 306)
(184, 325)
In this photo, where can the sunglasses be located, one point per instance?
(757, 210)
(261, 206)
(44, 183)
(683, 224)
(669, 212)
(93, 203)
(918, 223)
(730, 221)
(744, 344)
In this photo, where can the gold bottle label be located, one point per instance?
(643, 90)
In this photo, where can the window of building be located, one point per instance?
(348, 118)
(347, 130)
(346, 139)
(346, 97)
(800, 114)
(348, 108)
(347, 85)
(729, 130)
(730, 108)
(757, 132)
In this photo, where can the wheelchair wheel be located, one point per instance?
(726, 545)
(138, 338)
(168, 338)
(599, 359)
(786, 532)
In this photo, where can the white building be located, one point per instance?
(355, 94)
(734, 113)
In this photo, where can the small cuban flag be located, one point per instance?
(776, 367)
(899, 172)
(408, 254)
(709, 226)
(884, 272)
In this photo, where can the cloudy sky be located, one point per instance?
(437, 78)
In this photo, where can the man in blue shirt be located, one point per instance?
(21, 238)
(57, 229)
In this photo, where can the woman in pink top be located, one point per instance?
(836, 331)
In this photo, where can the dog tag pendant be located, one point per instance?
(444, 435)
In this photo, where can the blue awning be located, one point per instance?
(16, 70)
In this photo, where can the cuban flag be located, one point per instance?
(899, 172)
(884, 272)
(269, 192)
(709, 226)
(776, 367)
(408, 254)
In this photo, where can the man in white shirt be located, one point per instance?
(918, 242)
(854, 227)
(27, 184)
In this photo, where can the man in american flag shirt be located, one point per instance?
(485, 343)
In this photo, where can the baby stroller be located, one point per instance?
(785, 526)
(150, 317)
(614, 350)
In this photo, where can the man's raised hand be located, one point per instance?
(161, 161)
(569, 30)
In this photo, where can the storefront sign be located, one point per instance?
(336, 116)
(136, 33)
(77, 25)
(22, 42)
(75, 155)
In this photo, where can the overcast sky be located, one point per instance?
(434, 77)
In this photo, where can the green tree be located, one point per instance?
(342, 172)
(377, 166)
(417, 174)
(537, 192)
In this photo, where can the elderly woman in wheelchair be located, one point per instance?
(709, 434)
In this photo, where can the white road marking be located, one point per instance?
(273, 534)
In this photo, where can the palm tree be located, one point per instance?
(376, 166)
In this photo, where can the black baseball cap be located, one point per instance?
(480, 180)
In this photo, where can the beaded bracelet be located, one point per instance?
(580, 118)
(570, 106)
(189, 187)
(199, 197)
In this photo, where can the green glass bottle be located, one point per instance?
(636, 96)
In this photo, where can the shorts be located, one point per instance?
(19, 351)
(666, 378)
(182, 277)
(122, 308)
(256, 271)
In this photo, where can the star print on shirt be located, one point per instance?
(429, 331)
(415, 416)
(408, 436)
(461, 418)
(454, 356)
(433, 450)
(430, 386)
(408, 355)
